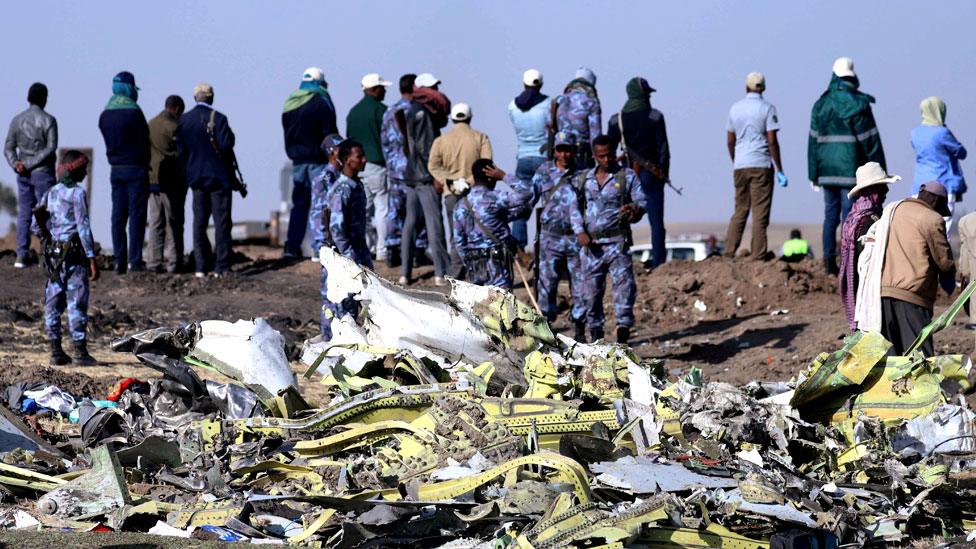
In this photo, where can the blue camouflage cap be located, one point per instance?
(565, 138)
(331, 141)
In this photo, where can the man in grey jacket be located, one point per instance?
(30, 150)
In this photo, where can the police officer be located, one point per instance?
(481, 232)
(394, 152)
(69, 258)
(347, 221)
(318, 225)
(578, 110)
(559, 251)
(612, 198)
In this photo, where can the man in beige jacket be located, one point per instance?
(967, 255)
(917, 259)
(451, 157)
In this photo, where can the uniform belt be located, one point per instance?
(607, 234)
(558, 231)
(485, 253)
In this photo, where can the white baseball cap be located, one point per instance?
(426, 80)
(844, 66)
(532, 77)
(756, 81)
(461, 112)
(313, 74)
(372, 80)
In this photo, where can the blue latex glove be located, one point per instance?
(781, 179)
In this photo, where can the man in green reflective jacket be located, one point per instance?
(843, 136)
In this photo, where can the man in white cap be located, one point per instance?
(578, 110)
(363, 124)
(423, 121)
(917, 260)
(754, 150)
(529, 112)
(843, 136)
(308, 116)
(451, 158)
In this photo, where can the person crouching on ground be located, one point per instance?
(481, 227)
(69, 258)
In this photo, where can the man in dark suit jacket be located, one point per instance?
(208, 175)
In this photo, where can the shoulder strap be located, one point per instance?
(552, 192)
(620, 126)
(481, 225)
(211, 124)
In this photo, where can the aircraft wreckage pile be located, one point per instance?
(462, 421)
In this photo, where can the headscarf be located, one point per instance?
(529, 98)
(124, 96)
(638, 95)
(436, 103)
(868, 202)
(65, 170)
(305, 92)
(933, 111)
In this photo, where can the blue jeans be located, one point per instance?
(524, 170)
(130, 196)
(654, 191)
(836, 208)
(30, 189)
(301, 201)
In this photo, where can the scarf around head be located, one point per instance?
(434, 101)
(638, 95)
(529, 98)
(305, 93)
(869, 202)
(582, 85)
(65, 170)
(123, 97)
(933, 111)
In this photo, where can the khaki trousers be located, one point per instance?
(753, 191)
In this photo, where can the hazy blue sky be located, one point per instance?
(695, 53)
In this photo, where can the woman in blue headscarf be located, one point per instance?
(937, 154)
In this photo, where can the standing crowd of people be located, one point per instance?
(383, 192)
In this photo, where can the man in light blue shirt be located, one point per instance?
(529, 112)
(754, 151)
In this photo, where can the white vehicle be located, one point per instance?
(677, 251)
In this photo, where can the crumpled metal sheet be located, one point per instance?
(645, 475)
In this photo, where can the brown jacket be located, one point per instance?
(453, 153)
(917, 253)
(967, 245)
(164, 167)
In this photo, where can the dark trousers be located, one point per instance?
(901, 322)
(457, 269)
(130, 196)
(836, 208)
(30, 189)
(423, 198)
(301, 202)
(654, 191)
(525, 168)
(216, 203)
(753, 191)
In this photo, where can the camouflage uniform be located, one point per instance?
(396, 162)
(608, 254)
(487, 259)
(321, 184)
(67, 205)
(578, 111)
(558, 247)
(347, 228)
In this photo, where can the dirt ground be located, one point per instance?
(763, 321)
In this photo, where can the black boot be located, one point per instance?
(596, 334)
(623, 334)
(81, 356)
(579, 333)
(58, 356)
(393, 256)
